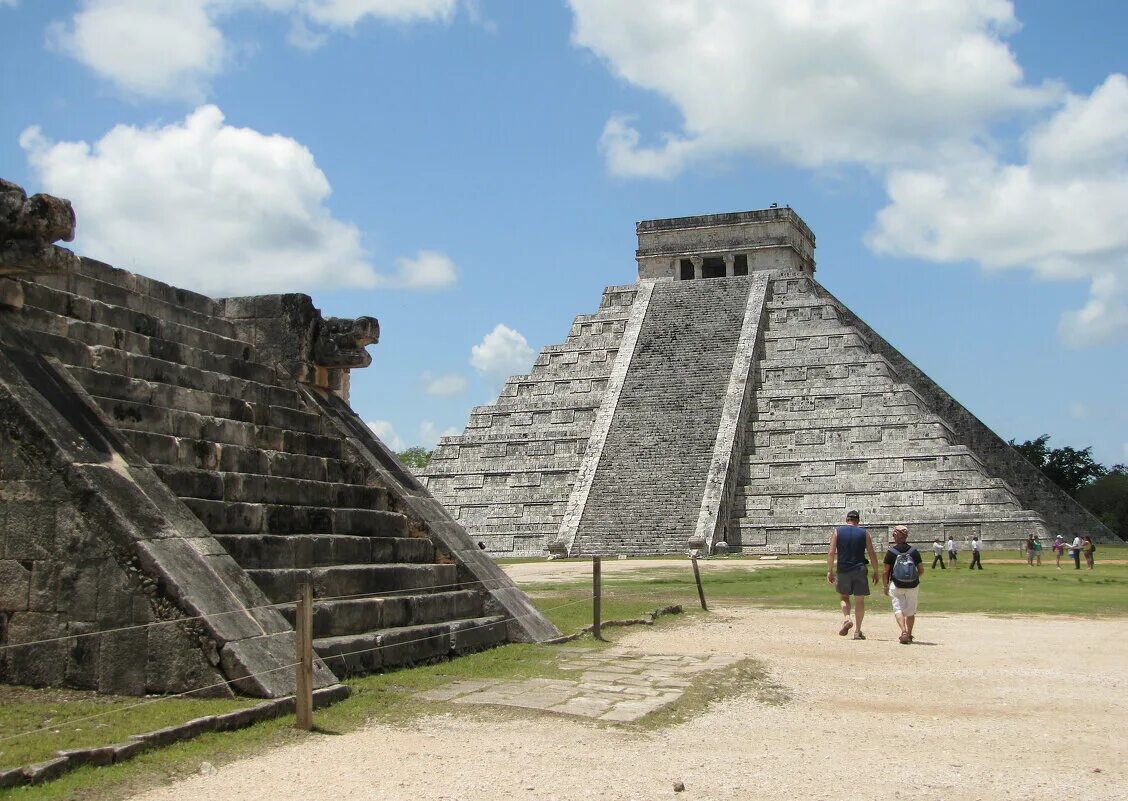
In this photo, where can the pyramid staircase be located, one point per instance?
(278, 472)
(741, 403)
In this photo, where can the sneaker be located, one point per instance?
(905, 638)
(859, 636)
(846, 626)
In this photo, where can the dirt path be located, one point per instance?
(980, 708)
(572, 570)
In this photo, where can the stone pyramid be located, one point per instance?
(173, 465)
(728, 397)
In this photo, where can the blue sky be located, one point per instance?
(470, 172)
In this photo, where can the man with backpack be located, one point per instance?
(903, 565)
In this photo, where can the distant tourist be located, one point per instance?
(1059, 548)
(975, 560)
(1075, 552)
(1037, 551)
(937, 553)
(1030, 551)
(903, 565)
(1087, 547)
(952, 550)
(850, 543)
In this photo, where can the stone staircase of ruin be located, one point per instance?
(278, 486)
(507, 479)
(646, 495)
(833, 426)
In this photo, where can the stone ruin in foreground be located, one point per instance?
(728, 397)
(172, 466)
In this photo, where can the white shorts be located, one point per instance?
(904, 600)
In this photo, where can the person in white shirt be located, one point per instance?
(1075, 551)
(952, 550)
(937, 553)
(975, 560)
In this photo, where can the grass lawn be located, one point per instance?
(1006, 586)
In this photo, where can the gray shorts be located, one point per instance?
(853, 583)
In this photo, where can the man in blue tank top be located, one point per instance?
(850, 544)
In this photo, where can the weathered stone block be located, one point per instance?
(15, 584)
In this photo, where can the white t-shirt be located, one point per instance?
(937, 548)
(1076, 544)
(975, 545)
(951, 544)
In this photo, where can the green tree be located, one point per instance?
(1069, 468)
(1107, 498)
(415, 456)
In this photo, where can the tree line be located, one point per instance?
(1102, 490)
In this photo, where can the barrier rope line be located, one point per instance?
(241, 610)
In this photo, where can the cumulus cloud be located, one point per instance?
(168, 49)
(173, 48)
(443, 385)
(427, 270)
(204, 205)
(808, 82)
(1057, 213)
(387, 434)
(501, 353)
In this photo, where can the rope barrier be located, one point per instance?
(241, 610)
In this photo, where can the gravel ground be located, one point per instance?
(978, 708)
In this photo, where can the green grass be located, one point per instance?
(389, 698)
(1006, 586)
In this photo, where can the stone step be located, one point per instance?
(144, 285)
(216, 485)
(133, 416)
(288, 551)
(257, 410)
(337, 581)
(816, 453)
(165, 449)
(409, 645)
(362, 615)
(219, 382)
(223, 517)
(951, 480)
(81, 287)
(173, 343)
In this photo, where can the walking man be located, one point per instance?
(850, 543)
(975, 560)
(903, 564)
(952, 550)
(937, 553)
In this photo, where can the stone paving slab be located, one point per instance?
(616, 685)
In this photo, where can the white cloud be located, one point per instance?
(347, 13)
(173, 48)
(429, 434)
(443, 385)
(1058, 214)
(204, 205)
(427, 270)
(9, 3)
(387, 434)
(808, 82)
(501, 353)
(162, 49)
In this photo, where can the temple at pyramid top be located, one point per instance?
(752, 409)
(724, 245)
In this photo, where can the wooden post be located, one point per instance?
(596, 597)
(697, 578)
(303, 628)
